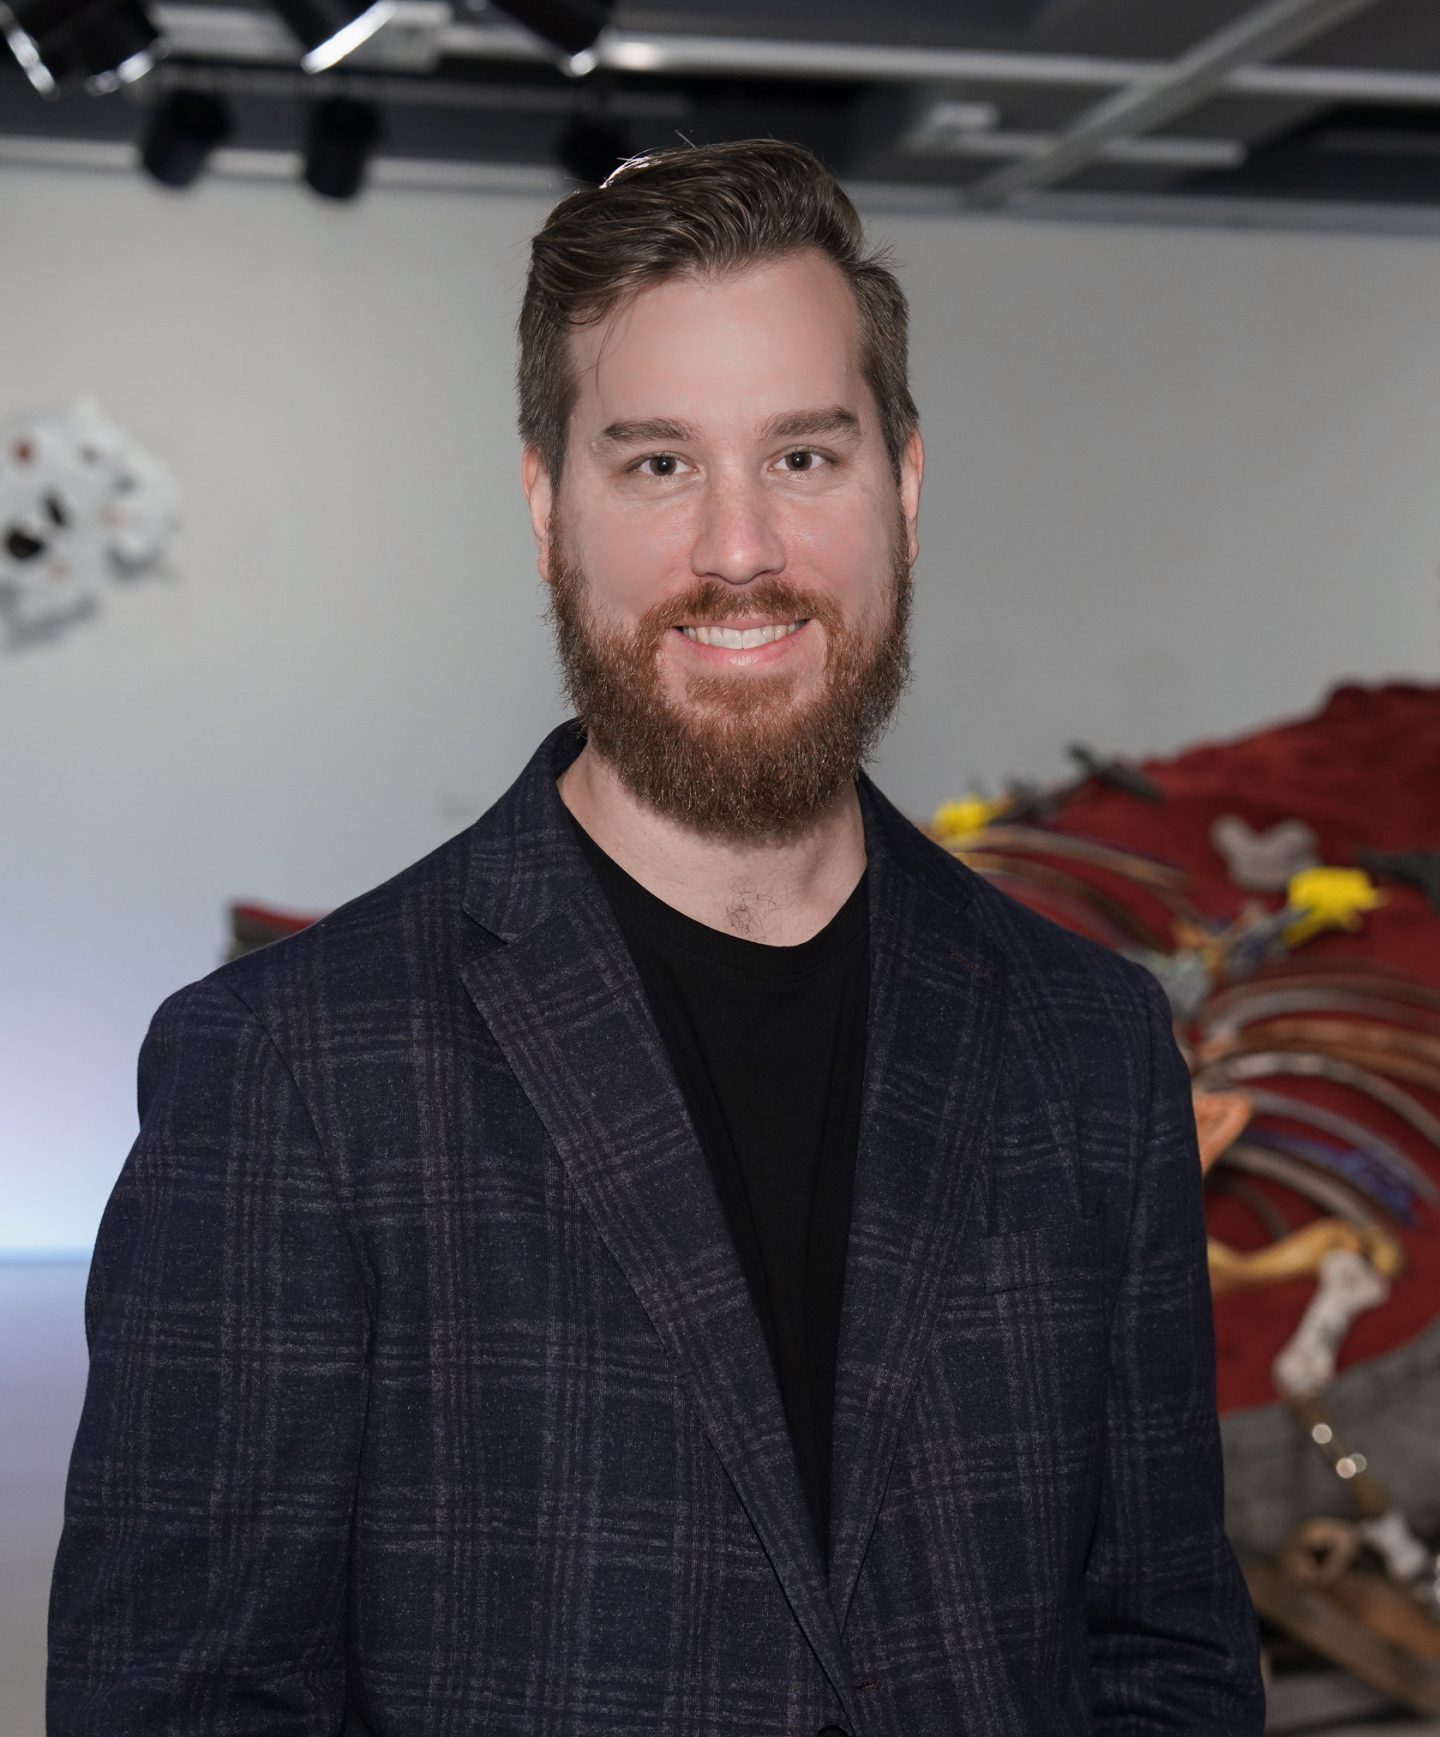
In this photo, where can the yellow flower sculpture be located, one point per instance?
(1329, 898)
(968, 814)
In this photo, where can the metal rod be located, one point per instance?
(1167, 153)
(1337, 84)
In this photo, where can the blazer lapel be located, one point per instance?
(933, 1058)
(565, 1004)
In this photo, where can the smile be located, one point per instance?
(741, 639)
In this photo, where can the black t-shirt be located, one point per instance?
(768, 1048)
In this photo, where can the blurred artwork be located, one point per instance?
(83, 509)
(254, 926)
(1284, 887)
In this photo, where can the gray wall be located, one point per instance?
(1180, 482)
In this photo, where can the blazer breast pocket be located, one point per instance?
(1066, 1255)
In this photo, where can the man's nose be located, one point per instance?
(737, 539)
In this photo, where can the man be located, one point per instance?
(687, 1256)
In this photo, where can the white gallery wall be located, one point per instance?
(1181, 481)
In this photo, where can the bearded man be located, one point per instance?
(686, 1257)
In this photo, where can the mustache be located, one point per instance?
(716, 601)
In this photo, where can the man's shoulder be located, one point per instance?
(380, 946)
(1074, 1003)
(1082, 1021)
(1049, 962)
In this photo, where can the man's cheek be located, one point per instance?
(839, 558)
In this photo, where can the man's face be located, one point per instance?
(729, 551)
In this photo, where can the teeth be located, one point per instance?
(737, 639)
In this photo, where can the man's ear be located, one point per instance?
(539, 498)
(912, 475)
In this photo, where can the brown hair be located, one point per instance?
(712, 208)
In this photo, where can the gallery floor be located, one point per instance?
(42, 1379)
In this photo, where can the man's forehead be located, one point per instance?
(778, 336)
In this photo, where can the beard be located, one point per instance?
(742, 757)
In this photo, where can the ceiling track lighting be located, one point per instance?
(104, 43)
(328, 30)
(572, 27)
(184, 128)
(341, 139)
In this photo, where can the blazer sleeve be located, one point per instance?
(200, 1583)
(1171, 1630)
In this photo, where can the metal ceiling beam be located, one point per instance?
(1170, 152)
(253, 33)
(971, 129)
(1269, 29)
(864, 62)
(1336, 84)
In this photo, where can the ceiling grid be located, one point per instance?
(1290, 111)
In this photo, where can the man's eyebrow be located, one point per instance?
(806, 424)
(647, 431)
(788, 425)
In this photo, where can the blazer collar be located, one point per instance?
(524, 862)
(933, 1062)
(565, 1005)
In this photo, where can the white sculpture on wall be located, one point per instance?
(82, 508)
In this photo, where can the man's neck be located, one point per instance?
(779, 891)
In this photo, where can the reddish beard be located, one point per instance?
(742, 757)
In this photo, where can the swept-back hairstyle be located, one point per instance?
(706, 210)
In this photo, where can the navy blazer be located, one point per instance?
(427, 1397)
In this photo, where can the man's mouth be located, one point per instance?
(741, 638)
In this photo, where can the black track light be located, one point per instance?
(106, 43)
(182, 132)
(342, 136)
(572, 26)
(328, 30)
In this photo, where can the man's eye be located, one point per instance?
(659, 464)
(803, 458)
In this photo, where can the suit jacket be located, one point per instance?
(427, 1396)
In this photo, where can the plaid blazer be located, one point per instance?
(427, 1398)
